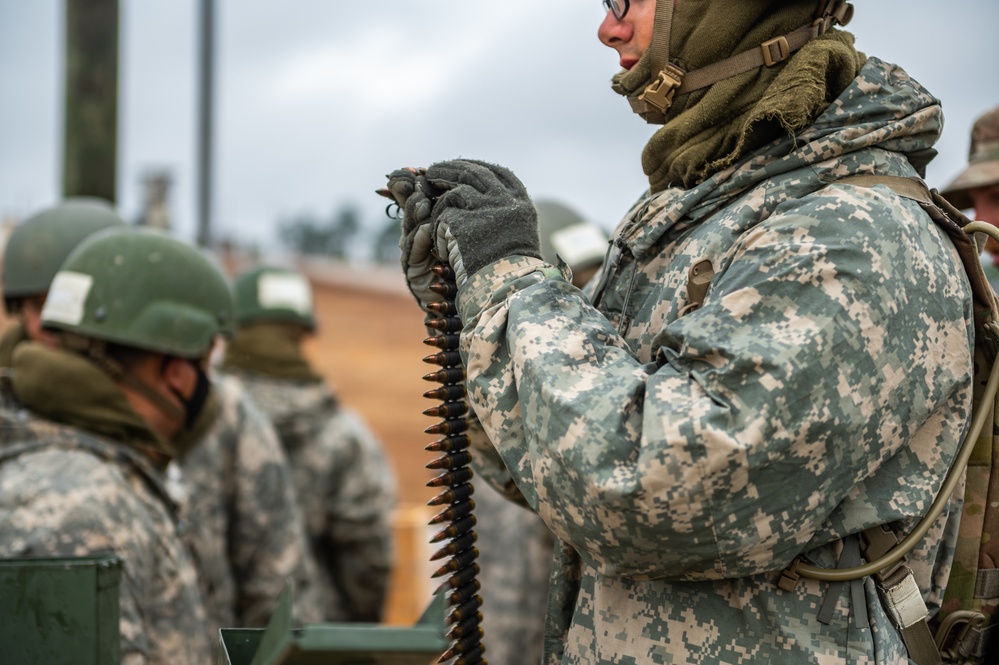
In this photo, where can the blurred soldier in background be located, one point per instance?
(242, 516)
(81, 473)
(35, 250)
(344, 481)
(978, 185)
(232, 479)
(515, 545)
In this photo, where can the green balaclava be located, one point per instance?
(711, 128)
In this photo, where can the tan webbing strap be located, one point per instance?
(657, 97)
(987, 583)
(901, 597)
(769, 53)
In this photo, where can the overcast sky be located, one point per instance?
(318, 99)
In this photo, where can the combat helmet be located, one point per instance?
(142, 289)
(38, 246)
(983, 161)
(652, 98)
(273, 294)
(564, 233)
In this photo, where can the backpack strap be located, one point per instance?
(881, 547)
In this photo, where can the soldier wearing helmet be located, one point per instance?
(759, 373)
(33, 253)
(82, 467)
(248, 534)
(345, 484)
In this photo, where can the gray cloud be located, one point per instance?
(316, 103)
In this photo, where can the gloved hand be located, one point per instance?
(482, 214)
(410, 190)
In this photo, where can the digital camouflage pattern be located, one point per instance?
(515, 554)
(245, 524)
(684, 461)
(346, 487)
(67, 493)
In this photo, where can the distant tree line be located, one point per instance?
(339, 236)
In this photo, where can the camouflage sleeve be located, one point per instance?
(63, 504)
(357, 540)
(833, 335)
(267, 542)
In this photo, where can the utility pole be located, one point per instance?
(90, 140)
(205, 106)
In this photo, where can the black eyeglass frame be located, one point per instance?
(612, 7)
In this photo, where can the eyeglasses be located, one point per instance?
(619, 8)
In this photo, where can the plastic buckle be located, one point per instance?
(659, 94)
(783, 51)
(789, 576)
(903, 601)
(843, 13)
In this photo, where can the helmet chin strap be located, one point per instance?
(194, 404)
(657, 98)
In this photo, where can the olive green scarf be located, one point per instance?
(13, 335)
(271, 349)
(63, 386)
(710, 129)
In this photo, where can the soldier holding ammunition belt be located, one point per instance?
(772, 360)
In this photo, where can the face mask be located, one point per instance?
(196, 402)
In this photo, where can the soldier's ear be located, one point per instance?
(179, 375)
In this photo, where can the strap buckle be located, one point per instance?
(775, 51)
(659, 94)
(789, 577)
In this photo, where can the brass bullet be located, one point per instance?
(453, 495)
(455, 477)
(460, 578)
(461, 560)
(446, 289)
(444, 271)
(445, 307)
(456, 511)
(449, 444)
(447, 341)
(447, 393)
(459, 596)
(444, 359)
(448, 427)
(463, 646)
(466, 610)
(461, 527)
(464, 629)
(459, 544)
(452, 461)
(450, 324)
(450, 410)
(450, 375)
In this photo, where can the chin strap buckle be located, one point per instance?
(775, 51)
(659, 94)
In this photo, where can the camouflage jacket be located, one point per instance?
(346, 486)
(245, 524)
(67, 493)
(684, 460)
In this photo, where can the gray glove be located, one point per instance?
(482, 214)
(410, 190)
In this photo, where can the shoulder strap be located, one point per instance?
(882, 549)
